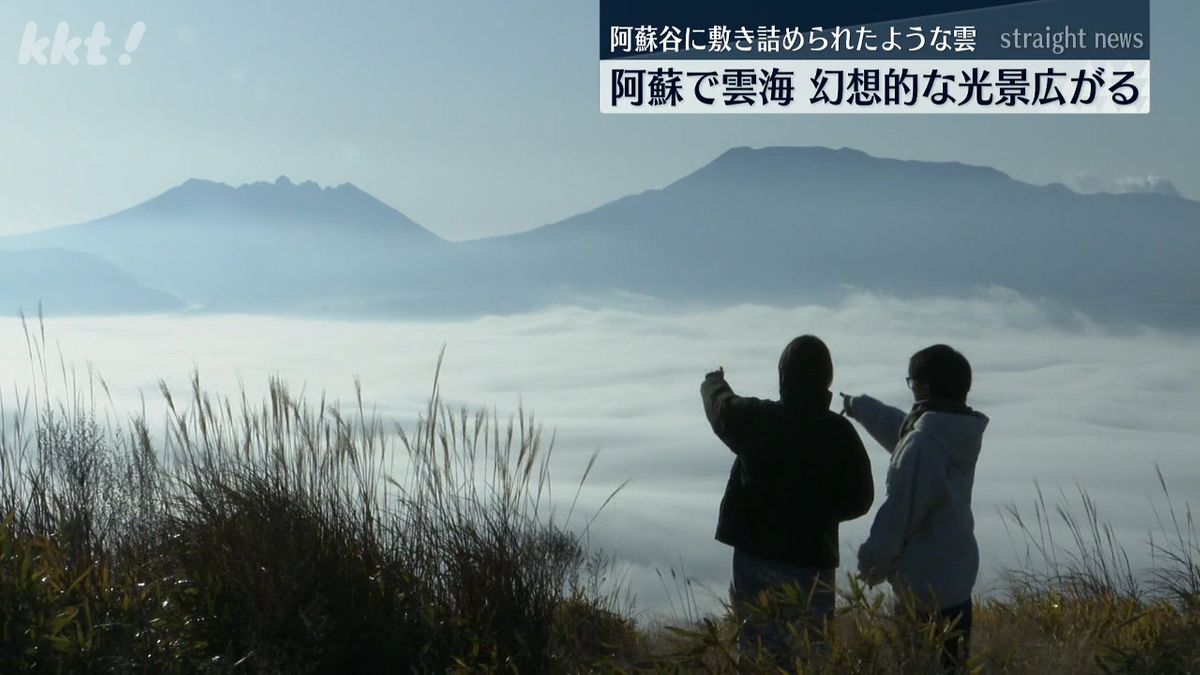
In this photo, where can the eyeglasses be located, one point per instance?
(909, 381)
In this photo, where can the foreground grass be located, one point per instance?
(1032, 633)
(287, 536)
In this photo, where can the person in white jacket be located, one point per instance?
(923, 539)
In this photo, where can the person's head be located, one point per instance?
(939, 372)
(804, 367)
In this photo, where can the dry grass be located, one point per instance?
(288, 536)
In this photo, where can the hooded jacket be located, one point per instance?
(800, 470)
(923, 537)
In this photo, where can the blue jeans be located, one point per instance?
(753, 577)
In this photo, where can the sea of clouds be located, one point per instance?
(1071, 404)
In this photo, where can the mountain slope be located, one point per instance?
(258, 247)
(786, 224)
(67, 282)
(778, 225)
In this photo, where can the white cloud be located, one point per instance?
(1069, 403)
(1088, 182)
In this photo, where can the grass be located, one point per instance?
(286, 535)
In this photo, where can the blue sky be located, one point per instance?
(473, 117)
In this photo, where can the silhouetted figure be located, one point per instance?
(923, 539)
(800, 470)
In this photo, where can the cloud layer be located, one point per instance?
(1070, 404)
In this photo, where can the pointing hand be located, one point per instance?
(847, 410)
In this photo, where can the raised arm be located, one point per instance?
(880, 420)
(733, 418)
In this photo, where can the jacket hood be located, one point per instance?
(805, 373)
(959, 435)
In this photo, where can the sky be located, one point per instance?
(1070, 406)
(472, 117)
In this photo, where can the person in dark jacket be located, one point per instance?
(800, 470)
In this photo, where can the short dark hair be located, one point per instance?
(944, 369)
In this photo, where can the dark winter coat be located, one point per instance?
(800, 470)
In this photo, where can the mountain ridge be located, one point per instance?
(776, 224)
(282, 198)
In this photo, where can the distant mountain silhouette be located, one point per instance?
(257, 247)
(787, 224)
(67, 282)
(776, 225)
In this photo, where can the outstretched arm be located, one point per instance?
(880, 420)
(731, 416)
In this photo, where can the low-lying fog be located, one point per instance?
(1069, 403)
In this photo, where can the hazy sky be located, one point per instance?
(473, 117)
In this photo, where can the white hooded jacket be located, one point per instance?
(923, 537)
